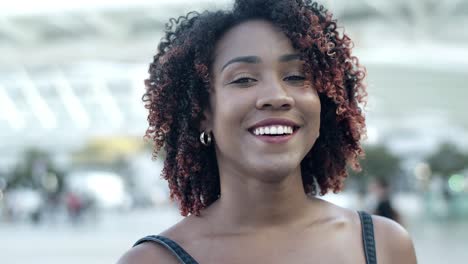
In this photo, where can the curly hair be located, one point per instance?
(177, 92)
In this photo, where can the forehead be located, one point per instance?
(252, 38)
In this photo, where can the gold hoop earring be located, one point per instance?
(206, 142)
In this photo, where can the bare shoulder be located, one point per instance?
(153, 253)
(148, 253)
(393, 243)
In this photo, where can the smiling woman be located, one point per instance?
(258, 110)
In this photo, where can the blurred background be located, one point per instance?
(77, 183)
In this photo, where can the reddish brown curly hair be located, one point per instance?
(177, 93)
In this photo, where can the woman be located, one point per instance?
(258, 112)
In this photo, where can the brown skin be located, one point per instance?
(263, 214)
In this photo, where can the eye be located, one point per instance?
(295, 78)
(243, 81)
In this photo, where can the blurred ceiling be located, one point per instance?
(70, 71)
(85, 31)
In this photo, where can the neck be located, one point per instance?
(250, 203)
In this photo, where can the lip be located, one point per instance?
(275, 121)
(275, 139)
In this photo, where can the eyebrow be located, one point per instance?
(289, 57)
(245, 59)
(256, 59)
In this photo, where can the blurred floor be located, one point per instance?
(435, 242)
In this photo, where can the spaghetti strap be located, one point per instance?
(368, 241)
(368, 238)
(172, 246)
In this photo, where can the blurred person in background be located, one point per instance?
(75, 206)
(258, 111)
(379, 189)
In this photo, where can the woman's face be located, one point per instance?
(259, 88)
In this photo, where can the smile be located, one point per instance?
(273, 130)
(275, 138)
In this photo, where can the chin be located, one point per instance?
(275, 171)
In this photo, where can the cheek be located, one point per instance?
(311, 107)
(310, 104)
(232, 107)
(227, 117)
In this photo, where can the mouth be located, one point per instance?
(274, 130)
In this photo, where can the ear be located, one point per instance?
(207, 122)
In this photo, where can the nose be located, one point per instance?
(274, 97)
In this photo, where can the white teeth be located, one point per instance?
(273, 130)
(280, 130)
(257, 131)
